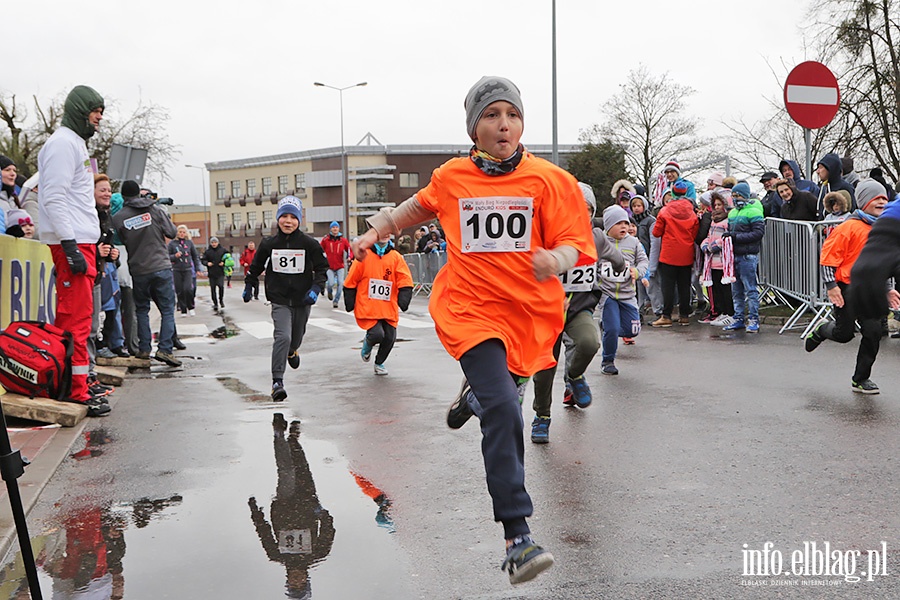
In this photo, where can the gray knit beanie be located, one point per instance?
(612, 215)
(488, 90)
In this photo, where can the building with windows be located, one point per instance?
(245, 192)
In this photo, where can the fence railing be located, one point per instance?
(424, 268)
(789, 268)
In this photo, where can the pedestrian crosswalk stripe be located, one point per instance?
(262, 330)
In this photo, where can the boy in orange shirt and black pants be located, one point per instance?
(377, 287)
(512, 221)
(839, 253)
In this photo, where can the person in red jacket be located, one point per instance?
(246, 260)
(677, 226)
(337, 249)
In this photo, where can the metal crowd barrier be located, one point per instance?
(424, 268)
(789, 268)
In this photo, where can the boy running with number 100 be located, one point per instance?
(512, 221)
(295, 267)
(378, 285)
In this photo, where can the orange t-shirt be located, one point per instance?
(842, 247)
(480, 296)
(374, 299)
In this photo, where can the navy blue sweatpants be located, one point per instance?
(495, 401)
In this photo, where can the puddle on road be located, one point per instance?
(294, 529)
(241, 389)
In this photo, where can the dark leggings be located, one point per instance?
(673, 275)
(842, 331)
(502, 443)
(184, 290)
(383, 335)
(722, 303)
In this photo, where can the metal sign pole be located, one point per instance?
(807, 137)
(12, 466)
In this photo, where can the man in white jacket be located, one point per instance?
(69, 225)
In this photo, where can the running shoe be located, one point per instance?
(525, 560)
(734, 325)
(278, 391)
(813, 340)
(460, 411)
(366, 351)
(294, 360)
(609, 369)
(569, 395)
(380, 369)
(864, 387)
(582, 392)
(540, 430)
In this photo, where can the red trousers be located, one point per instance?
(74, 311)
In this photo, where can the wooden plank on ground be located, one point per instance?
(67, 414)
(111, 375)
(138, 363)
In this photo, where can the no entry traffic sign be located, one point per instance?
(811, 95)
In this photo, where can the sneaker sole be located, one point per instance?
(532, 568)
(866, 392)
(451, 417)
(279, 396)
(540, 440)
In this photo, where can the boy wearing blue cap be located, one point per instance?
(746, 228)
(337, 249)
(295, 268)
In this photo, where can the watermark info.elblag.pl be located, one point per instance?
(811, 564)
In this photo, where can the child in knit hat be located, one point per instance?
(619, 309)
(512, 222)
(295, 267)
(718, 264)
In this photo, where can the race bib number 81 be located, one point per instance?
(496, 224)
(290, 262)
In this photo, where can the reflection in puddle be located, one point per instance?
(383, 516)
(302, 531)
(83, 556)
(241, 389)
(93, 444)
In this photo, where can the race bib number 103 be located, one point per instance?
(496, 224)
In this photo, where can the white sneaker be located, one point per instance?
(723, 321)
(191, 312)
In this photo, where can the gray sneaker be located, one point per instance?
(106, 353)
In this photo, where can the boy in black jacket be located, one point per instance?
(295, 266)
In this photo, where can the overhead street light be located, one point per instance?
(206, 211)
(344, 201)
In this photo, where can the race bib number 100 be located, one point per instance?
(496, 224)
(288, 261)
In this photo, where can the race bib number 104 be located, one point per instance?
(496, 224)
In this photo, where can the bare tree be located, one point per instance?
(859, 40)
(647, 119)
(144, 127)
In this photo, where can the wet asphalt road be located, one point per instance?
(702, 444)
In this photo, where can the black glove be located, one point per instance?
(404, 296)
(312, 295)
(248, 292)
(879, 260)
(77, 263)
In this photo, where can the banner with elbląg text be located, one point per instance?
(27, 281)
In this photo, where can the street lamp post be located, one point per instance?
(206, 211)
(345, 205)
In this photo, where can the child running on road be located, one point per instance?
(377, 287)
(620, 314)
(512, 222)
(295, 268)
(839, 254)
(582, 295)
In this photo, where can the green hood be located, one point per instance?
(79, 104)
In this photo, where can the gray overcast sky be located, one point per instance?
(237, 77)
